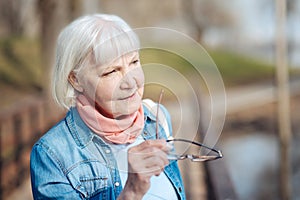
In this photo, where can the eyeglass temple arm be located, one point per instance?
(196, 143)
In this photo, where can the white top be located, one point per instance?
(161, 187)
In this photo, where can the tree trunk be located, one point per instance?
(284, 122)
(54, 15)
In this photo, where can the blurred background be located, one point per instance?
(241, 36)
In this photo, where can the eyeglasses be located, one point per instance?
(195, 156)
(183, 145)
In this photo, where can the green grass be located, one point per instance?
(234, 69)
(21, 66)
(164, 58)
(240, 70)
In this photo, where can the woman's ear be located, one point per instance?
(74, 82)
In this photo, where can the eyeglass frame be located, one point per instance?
(193, 158)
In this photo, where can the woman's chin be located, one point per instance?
(128, 109)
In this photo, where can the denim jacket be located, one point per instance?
(71, 162)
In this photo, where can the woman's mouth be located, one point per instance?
(130, 97)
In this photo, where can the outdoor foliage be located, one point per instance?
(21, 66)
(235, 69)
(20, 63)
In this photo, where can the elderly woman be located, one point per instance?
(105, 147)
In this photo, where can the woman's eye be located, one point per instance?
(135, 61)
(109, 73)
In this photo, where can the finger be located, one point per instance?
(154, 171)
(150, 171)
(145, 161)
(160, 144)
(155, 143)
(149, 152)
(155, 162)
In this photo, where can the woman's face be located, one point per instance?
(116, 89)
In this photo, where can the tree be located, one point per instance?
(10, 15)
(203, 14)
(54, 15)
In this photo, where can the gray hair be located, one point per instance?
(100, 38)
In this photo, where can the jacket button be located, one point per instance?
(107, 151)
(117, 184)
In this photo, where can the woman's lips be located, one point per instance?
(130, 97)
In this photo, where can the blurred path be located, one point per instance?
(254, 95)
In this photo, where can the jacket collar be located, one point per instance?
(79, 130)
(148, 114)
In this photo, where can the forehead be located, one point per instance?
(124, 59)
(113, 44)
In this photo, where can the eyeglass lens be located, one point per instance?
(185, 149)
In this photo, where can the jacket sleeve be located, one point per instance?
(48, 180)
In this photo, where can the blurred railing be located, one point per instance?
(20, 126)
(219, 183)
(24, 122)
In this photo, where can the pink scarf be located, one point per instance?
(121, 131)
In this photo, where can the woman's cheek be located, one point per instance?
(101, 91)
(140, 77)
(106, 89)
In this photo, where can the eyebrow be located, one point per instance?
(134, 55)
(107, 69)
(113, 65)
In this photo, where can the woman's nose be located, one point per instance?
(128, 81)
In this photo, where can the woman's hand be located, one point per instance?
(144, 160)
